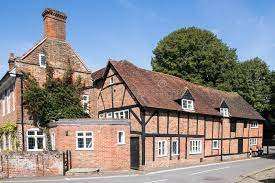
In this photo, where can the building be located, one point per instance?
(138, 119)
(174, 121)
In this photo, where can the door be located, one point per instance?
(240, 146)
(134, 152)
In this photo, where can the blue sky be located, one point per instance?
(130, 29)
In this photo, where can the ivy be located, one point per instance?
(8, 127)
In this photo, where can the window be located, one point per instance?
(224, 112)
(254, 125)
(195, 146)
(8, 101)
(124, 114)
(175, 147)
(42, 60)
(162, 150)
(111, 80)
(84, 140)
(121, 137)
(232, 126)
(215, 144)
(13, 98)
(85, 103)
(187, 104)
(35, 140)
(109, 115)
(252, 142)
(53, 141)
(101, 116)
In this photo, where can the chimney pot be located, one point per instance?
(54, 24)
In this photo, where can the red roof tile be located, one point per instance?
(158, 90)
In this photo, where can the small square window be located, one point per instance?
(224, 112)
(254, 125)
(187, 104)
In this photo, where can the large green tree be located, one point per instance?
(57, 98)
(252, 81)
(196, 55)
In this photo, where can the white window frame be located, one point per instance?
(253, 142)
(40, 60)
(8, 101)
(101, 116)
(254, 124)
(218, 144)
(84, 140)
(122, 138)
(85, 101)
(177, 147)
(109, 115)
(111, 82)
(162, 148)
(35, 136)
(189, 104)
(224, 112)
(195, 146)
(121, 114)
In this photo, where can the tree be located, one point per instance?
(57, 98)
(252, 82)
(196, 55)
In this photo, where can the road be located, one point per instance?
(224, 172)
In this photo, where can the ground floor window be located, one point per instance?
(121, 137)
(35, 140)
(175, 147)
(162, 148)
(252, 142)
(195, 146)
(215, 144)
(84, 140)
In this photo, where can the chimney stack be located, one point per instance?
(54, 24)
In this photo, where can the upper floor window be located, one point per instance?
(252, 142)
(84, 140)
(224, 112)
(111, 80)
(35, 140)
(187, 104)
(100, 116)
(121, 137)
(124, 114)
(109, 115)
(85, 103)
(42, 60)
(254, 125)
(215, 144)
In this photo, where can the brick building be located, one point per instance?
(174, 121)
(147, 118)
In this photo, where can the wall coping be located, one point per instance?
(89, 121)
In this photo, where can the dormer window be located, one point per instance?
(42, 60)
(187, 104)
(224, 111)
(187, 101)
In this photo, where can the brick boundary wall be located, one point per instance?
(30, 164)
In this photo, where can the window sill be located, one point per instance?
(162, 156)
(216, 148)
(175, 154)
(84, 149)
(195, 153)
(254, 127)
(188, 110)
(34, 150)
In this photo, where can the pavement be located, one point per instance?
(225, 172)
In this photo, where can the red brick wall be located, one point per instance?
(107, 154)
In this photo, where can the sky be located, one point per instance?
(131, 29)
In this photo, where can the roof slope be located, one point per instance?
(158, 90)
(98, 74)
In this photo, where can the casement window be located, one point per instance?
(187, 104)
(121, 137)
(8, 101)
(42, 60)
(254, 125)
(84, 140)
(53, 141)
(100, 116)
(224, 112)
(124, 114)
(175, 147)
(215, 144)
(85, 103)
(233, 127)
(252, 142)
(111, 80)
(195, 146)
(109, 115)
(35, 140)
(162, 148)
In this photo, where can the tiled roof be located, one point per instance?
(98, 74)
(158, 90)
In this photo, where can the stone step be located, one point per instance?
(82, 171)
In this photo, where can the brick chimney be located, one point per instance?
(54, 24)
(11, 61)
